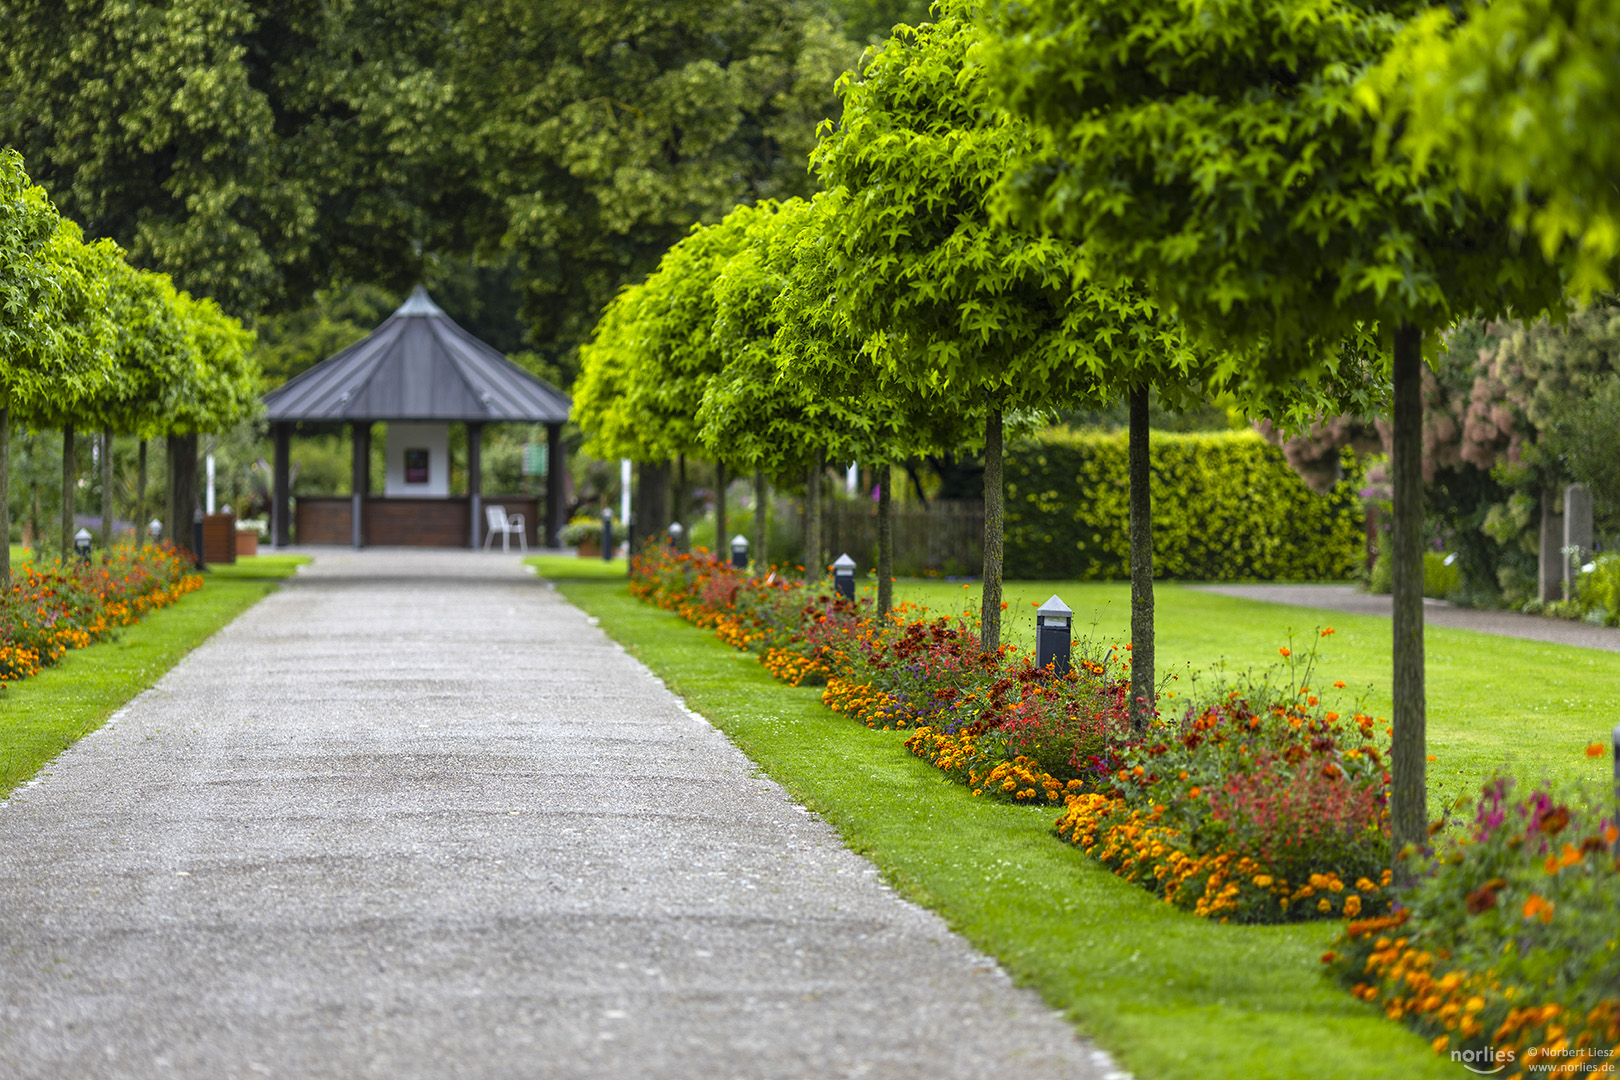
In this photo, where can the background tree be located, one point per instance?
(1225, 162)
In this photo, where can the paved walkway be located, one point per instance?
(414, 817)
(1435, 613)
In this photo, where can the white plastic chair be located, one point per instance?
(497, 520)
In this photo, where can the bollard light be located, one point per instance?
(81, 544)
(607, 534)
(739, 551)
(1616, 737)
(844, 576)
(675, 532)
(1052, 621)
(154, 529)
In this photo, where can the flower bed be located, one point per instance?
(1259, 804)
(1255, 802)
(1507, 950)
(52, 609)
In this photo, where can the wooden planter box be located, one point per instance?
(247, 542)
(590, 549)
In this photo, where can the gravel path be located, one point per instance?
(1435, 613)
(413, 816)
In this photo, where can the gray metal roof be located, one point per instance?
(418, 365)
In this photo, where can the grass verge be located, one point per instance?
(258, 567)
(42, 716)
(573, 568)
(1171, 995)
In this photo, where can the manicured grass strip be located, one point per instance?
(258, 567)
(574, 568)
(1492, 701)
(42, 716)
(1173, 996)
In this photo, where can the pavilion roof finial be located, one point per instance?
(419, 303)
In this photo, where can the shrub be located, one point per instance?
(1508, 940)
(580, 530)
(1226, 507)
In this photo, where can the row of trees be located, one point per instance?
(89, 342)
(1060, 201)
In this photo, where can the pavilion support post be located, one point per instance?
(359, 479)
(280, 500)
(556, 470)
(475, 479)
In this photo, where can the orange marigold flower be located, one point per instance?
(1594, 750)
(1285, 651)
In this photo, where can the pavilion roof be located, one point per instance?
(418, 365)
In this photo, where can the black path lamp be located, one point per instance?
(607, 534)
(1615, 735)
(81, 544)
(844, 576)
(1052, 621)
(739, 551)
(675, 533)
(154, 529)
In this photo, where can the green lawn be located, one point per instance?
(1173, 996)
(258, 567)
(42, 716)
(1492, 700)
(573, 568)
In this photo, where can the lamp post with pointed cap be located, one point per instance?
(1052, 622)
(844, 576)
(81, 544)
(675, 533)
(739, 551)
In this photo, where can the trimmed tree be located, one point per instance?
(948, 302)
(1226, 162)
(33, 288)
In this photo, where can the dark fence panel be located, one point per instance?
(941, 538)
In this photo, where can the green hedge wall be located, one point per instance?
(1226, 507)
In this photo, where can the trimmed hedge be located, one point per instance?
(1226, 507)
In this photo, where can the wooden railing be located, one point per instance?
(940, 538)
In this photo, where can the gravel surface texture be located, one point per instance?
(1435, 613)
(414, 816)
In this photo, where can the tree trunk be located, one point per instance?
(1142, 695)
(722, 542)
(70, 477)
(140, 494)
(814, 563)
(885, 538)
(762, 505)
(182, 491)
(678, 510)
(5, 495)
(652, 510)
(990, 606)
(1408, 809)
(106, 495)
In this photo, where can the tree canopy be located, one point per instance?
(1519, 97)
